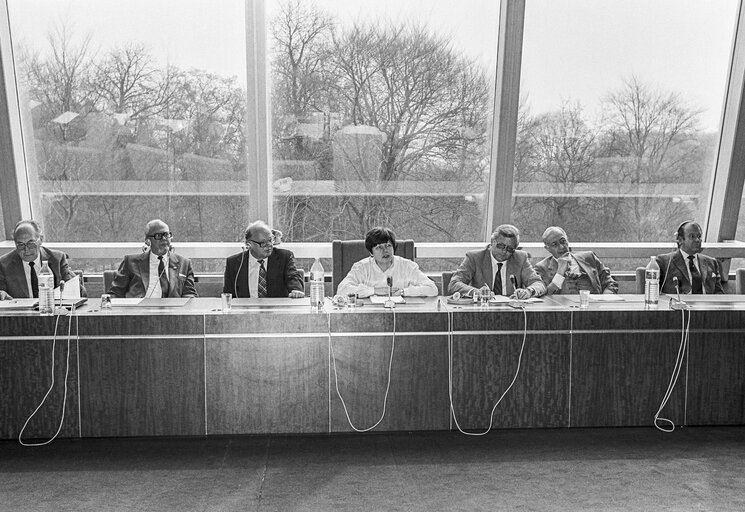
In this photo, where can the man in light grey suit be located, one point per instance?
(495, 266)
(566, 272)
(157, 272)
(20, 268)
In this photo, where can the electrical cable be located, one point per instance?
(336, 376)
(682, 350)
(72, 314)
(450, 374)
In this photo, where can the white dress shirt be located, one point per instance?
(153, 288)
(253, 274)
(27, 271)
(502, 273)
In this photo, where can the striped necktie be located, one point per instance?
(262, 280)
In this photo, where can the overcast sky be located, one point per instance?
(576, 50)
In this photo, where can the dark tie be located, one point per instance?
(163, 277)
(262, 280)
(696, 283)
(34, 281)
(497, 288)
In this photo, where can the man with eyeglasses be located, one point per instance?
(156, 273)
(696, 273)
(19, 269)
(494, 267)
(566, 272)
(262, 270)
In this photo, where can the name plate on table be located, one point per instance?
(269, 302)
(169, 302)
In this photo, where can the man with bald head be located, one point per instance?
(19, 269)
(695, 272)
(262, 270)
(156, 272)
(566, 272)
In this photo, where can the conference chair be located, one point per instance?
(640, 279)
(348, 252)
(446, 277)
(108, 279)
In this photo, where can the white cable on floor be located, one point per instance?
(450, 374)
(51, 386)
(682, 349)
(336, 376)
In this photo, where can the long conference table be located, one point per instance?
(275, 366)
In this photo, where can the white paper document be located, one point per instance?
(381, 299)
(71, 291)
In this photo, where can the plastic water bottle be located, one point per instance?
(652, 282)
(316, 285)
(46, 290)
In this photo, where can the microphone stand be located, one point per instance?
(677, 304)
(389, 303)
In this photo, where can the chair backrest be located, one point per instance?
(446, 276)
(640, 279)
(108, 279)
(740, 281)
(348, 252)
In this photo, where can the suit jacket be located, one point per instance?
(13, 276)
(672, 265)
(281, 274)
(476, 270)
(133, 276)
(599, 274)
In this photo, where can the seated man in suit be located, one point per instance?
(566, 272)
(696, 273)
(262, 270)
(19, 269)
(157, 272)
(370, 276)
(496, 265)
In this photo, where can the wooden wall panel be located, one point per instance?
(25, 377)
(619, 379)
(483, 367)
(267, 385)
(142, 387)
(716, 379)
(134, 323)
(417, 398)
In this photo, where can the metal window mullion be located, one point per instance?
(258, 123)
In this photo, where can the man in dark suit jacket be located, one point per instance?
(696, 273)
(15, 283)
(481, 267)
(243, 272)
(566, 272)
(174, 275)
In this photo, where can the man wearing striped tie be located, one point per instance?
(157, 272)
(262, 270)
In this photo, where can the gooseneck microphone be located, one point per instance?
(514, 283)
(389, 281)
(677, 304)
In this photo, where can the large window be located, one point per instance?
(381, 116)
(133, 111)
(620, 115)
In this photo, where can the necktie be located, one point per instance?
(696, 283)
(163, 277)
(497, 288)
(34, 280)
(262, 279)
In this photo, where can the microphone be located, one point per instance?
(679, 304)
(389, 281)
(514, 282)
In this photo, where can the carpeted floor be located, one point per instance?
(569, 469)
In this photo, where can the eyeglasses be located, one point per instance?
(383, 247)
(31, 245)
(167, 235)
(560, 241)
(264, 245)
(503, 247)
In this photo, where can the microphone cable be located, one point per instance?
(72, 314)
(336, 376)
(450, 374)
(682, 350)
